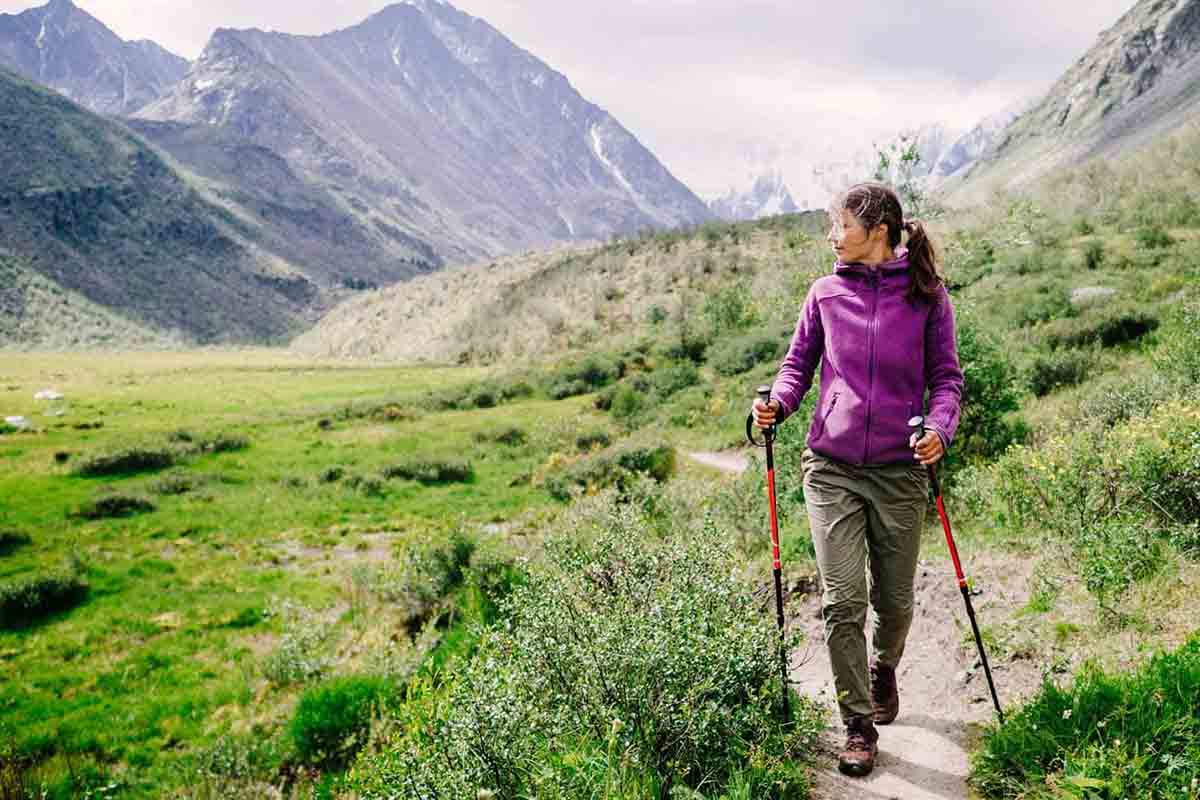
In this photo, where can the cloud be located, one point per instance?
(712, 86)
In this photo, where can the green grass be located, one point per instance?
(167, 650)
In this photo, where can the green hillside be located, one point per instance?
(90, 208)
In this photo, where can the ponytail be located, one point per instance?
(922, 264)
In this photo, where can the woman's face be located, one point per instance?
(850, 241)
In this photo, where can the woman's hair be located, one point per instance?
(873, 204)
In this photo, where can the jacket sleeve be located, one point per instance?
(796, 372)
(943, 373)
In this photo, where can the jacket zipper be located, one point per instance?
(871, 362)
(828, 414)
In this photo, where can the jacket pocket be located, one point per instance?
(820, 431)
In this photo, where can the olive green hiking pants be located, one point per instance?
(866, 529)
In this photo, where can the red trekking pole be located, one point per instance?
(918, 425)
(764, 393)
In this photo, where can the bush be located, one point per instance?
(368, 485)
(673, 379)
(333, 719)
(12, 540)
(25, 601)
(1125, 399)
(332, 474)
(1125, 735)
(127, 461)
(628, 666)
(615, 466)
(730, 308)
(299, 655)
(175, 483)
(431, 471)
(1093, 254)
(744, 353)
(592, 440)
(1054, 304)
(1153, 237)
(989, 395)
(626, 402)
(1109, 330)
(1056, 370)
(511, 436)
(594, 372)
(1179, 352)
(224, 443)
(114, 505)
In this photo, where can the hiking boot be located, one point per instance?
(858, 759)
(885, 697)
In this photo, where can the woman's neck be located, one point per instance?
(880, 257)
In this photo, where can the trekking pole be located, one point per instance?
(918, 425)
(764, 393)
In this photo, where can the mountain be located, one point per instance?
(1140, 80)
(61, 46)
(962, 153)
(89, 211)
(768, 197)
(431, 123)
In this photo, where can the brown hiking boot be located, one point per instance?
(858, 759)
(885, 697)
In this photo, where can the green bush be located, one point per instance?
(113, 505)
(332, 719)
(1109, 330)
(729, 308)
(510, 436)
(432, 471)
(673, 379)
(12, 540)
(1106, 736)
(1093, 254)
(628, 666)
(594, 372)
(592, 440)
(989, 396)
(127, 461)
(370, 485)
(1052, 304)
(1153, 237)
(744, 353)
(176, 482)
(1056, 370)
(626, 402)
(1123, 399)
(1178, 353)
(27, 600)
(615, 466)
(565, 389)
(223, 443)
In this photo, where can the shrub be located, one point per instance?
(299, 655)
(511, 436)
(332, 474)
(112, 505)
(1125, 399)
(565, 389)
(431, 471)
(1153, 237)
(614, 466)
(175, 483)
(675, 378)
(1054, 304)
(333, 719)
(26, 600)
(730, 308)
(594, 372)
(368, 485)
(1062, 368)
(744, 353)
(1179, 351)
(1108, 330)
(224, 443)
(127, 461)
(592, 440)
(1124, 735)
(1093, 254)
(989, 395)
(626, 402)
(11, 540)
(628, 666)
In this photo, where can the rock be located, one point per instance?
(20, 423)
(1086, 296)
(48, 394)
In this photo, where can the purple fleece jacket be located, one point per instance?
(878, 354)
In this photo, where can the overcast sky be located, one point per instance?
(719, 89)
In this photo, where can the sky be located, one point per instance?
(723, 90)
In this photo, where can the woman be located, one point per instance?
(882, 328)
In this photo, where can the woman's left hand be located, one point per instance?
(929, 450)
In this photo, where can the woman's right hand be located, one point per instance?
(764, 414)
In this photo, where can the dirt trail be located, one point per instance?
(944, 700)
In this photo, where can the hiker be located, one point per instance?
(882, 328)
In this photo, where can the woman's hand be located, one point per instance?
(929, 450)
(764, 415)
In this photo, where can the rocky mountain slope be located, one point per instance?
(1139, 81)
(433, 125)
(62, 46)
(88, 210)
(766, 198)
